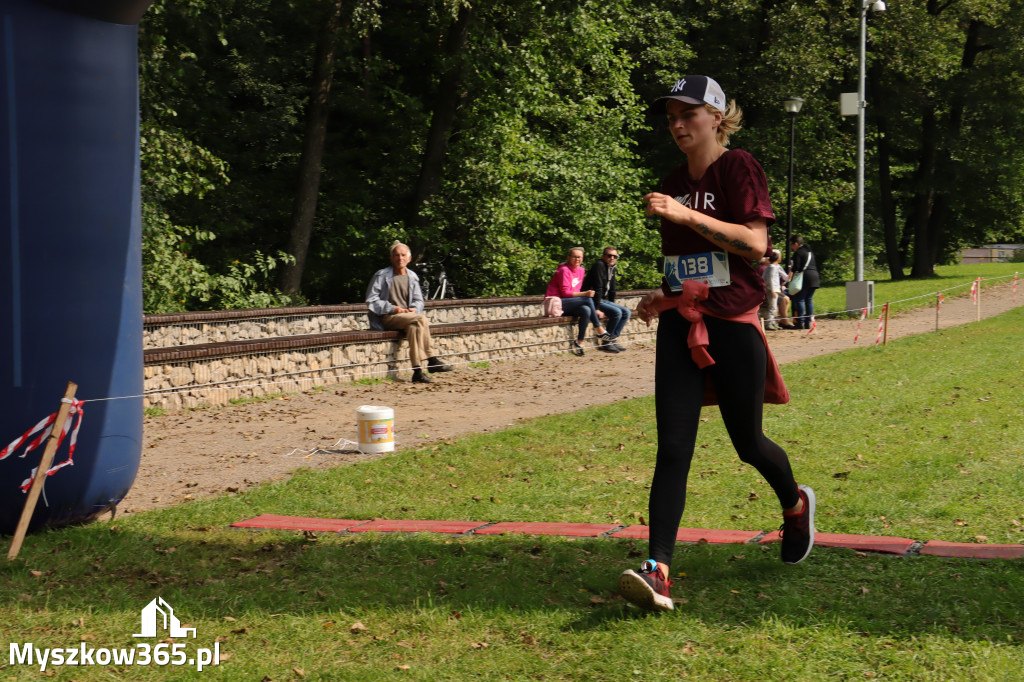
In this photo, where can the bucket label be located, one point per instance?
(377, 431)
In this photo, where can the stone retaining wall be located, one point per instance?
(216, 374)
(184, 329)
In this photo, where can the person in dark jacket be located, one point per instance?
(601, 278)
(803, 301)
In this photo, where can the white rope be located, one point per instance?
(295, 377)
(230, 384)
(333, 450)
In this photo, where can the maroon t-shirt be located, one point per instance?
(734, 189)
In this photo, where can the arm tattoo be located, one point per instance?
(722, 238)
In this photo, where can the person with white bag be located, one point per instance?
(803, 282)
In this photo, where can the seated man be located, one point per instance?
(601, 278)
(396, 303)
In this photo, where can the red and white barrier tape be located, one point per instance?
(43, 428)
(938, 302)
(974, 291)
(863, 314)
(881, 324)
(814, 325)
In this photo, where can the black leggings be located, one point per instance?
(738, 376)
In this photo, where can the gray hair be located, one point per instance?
(575, 248)
(396, 244)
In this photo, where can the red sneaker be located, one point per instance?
(648, 589)
(797, 531)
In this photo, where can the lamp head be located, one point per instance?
(793, 104)
(877, 7)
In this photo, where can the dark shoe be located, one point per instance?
(576, 348)
(420, 377)
(605, 344)
(648, 589)
(435, 365)
(788, 326)
(615, 344)
(797, 531)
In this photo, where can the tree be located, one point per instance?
(508, 132)
(308, 189)
(958, 150)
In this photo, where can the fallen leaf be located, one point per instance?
(357, 627)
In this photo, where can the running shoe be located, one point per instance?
(797, 531)
(605, 344)
(576, 348)
(648, 589)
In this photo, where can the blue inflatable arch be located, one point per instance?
(71, 276)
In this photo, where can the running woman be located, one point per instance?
(715, 212)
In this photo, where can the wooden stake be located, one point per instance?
(44, 465)
(885, 337)
(979, 299)
(938, 304)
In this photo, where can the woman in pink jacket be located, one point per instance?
(566, 284)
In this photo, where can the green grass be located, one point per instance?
(921, 439)
(832, 299)
(370, 381)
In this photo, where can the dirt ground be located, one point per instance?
(204, 453)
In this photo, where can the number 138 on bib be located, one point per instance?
(712, 268)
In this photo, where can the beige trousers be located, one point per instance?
(417, 331)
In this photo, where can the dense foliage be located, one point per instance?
(500, 134)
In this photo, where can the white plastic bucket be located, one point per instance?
(376, 428)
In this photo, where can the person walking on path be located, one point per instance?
(774, 278)
(715, 212)
(567, 284)
(601, 279)
(805, 269)
(395, 302)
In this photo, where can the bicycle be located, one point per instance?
(434, 280)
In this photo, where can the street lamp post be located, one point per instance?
(792, 105)
(875, 6)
